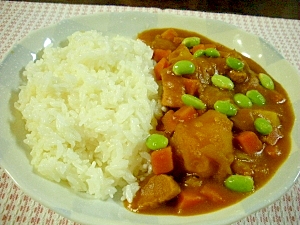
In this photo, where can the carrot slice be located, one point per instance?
(158, 54)
(209, 46)
(162, 160)
(177, 40)
(169, 34)
(248, 142)
(187, 199)
(185, 113)
(169, 122)
(197, 47)
(211, 193)
(163, 63)
(191, 86)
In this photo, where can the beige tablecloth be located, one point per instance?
(17, 19)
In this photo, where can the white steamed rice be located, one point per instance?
(88, 109)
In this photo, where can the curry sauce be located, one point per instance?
(206, 144)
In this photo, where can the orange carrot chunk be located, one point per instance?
(163, 63)
(209, 46)
(248, 142)
(185, 113)
(191, 86)
(197, 47)
(211, 193)
(188, 199)
(169, 34)
(177, 40)
(162, 160)
(158, 54)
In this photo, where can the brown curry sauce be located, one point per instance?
(261, 166)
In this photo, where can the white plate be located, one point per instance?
(14, 155)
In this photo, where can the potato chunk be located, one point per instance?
(205, 145)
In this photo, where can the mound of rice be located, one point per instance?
(88, 109)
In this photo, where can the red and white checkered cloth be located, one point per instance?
(17, 19)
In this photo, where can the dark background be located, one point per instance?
(288, 9)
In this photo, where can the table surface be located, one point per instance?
(17, 19)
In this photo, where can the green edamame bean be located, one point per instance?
(222, 82)
(157, 141)
(239, 183)
(191, 41)
(199, 53)
(266, 81)
(225, 107)
(212, 52)
(184, 67)
(242, 100)
(263, 126)
(256, 97)
(193, 101)
(234, 63)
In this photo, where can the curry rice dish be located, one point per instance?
(181, 124)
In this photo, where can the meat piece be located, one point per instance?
(242, 168)
(159, 189)
(273, 137)
(211, 94)
(252, 82)
(192, 181)
(244, 120)
(275, 97)
(237, 76)
(204, 145)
